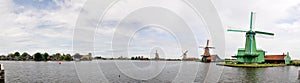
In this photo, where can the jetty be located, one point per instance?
(2, 74)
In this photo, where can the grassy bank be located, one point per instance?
(295, 63)
(253, 65)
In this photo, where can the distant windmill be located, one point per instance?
(206, 51)
(184, 55)
(156, 55)
(250, 54)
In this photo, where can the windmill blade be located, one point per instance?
(252, 19)
(201, 47)
(185, 51)
(264, 36)
(265, 33)
(211, 47)
(207, 43)
(236, 30)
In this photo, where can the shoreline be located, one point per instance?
(253, 65)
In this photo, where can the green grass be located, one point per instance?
(199, 60)
(254, 65)
(295, 63)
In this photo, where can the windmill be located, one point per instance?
(156, 55)
(184, 54)
(206, 51)
(250, 54)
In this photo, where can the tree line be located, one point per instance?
(17, 56)
(139, 58)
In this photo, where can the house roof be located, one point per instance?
(77, 56)
(211, 57)
(274, 57)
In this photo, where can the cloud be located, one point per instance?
(149, 37)
(47, 25)
(37, 25)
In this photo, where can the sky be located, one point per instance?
(48, 26)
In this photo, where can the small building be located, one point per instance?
(278, 59)
(212, 58)
(77, 57)
(86, 57)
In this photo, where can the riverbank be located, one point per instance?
(253, 65)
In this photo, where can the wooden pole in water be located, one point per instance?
(298, 73)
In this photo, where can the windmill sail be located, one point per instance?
(265, 33)
(236, 30)
(184, 55)
(253, 19)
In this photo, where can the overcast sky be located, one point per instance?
(47, 26)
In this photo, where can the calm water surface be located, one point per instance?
(168, 71)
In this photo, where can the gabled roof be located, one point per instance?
(274, 57)
(77, 56)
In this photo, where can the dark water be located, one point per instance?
(142, 71)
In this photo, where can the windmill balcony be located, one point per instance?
(246, 55)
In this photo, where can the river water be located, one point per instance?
(116, 71)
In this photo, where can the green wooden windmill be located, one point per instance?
(250, 54)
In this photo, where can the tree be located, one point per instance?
(61, 58)
(135, 58)
(139, 58)
(38, 56)
(24, 56)
(67, 58)
(45, 56)
(57, 56)
(10, 55)
(17, 54)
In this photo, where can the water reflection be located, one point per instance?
(202, 72)
(287, 74)
(250, 74)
